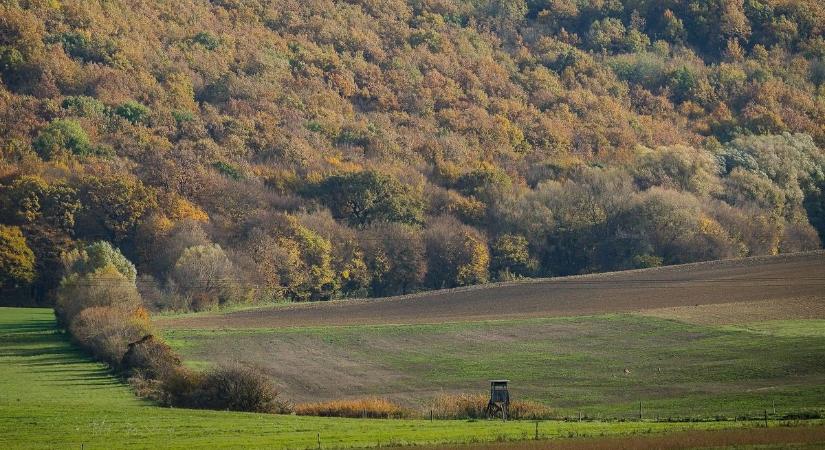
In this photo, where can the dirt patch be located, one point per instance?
(744, 312)
(305, 369)
(764, 280)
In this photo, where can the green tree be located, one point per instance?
(113, 207)
(46, 215)
(815, 207)
(677, 167)
(96, 276)
(367, 197)
(29, 200)
(396, 257)
(485, 183)
(457, 255)
(96, 256)
(133, 111)
(16, 258)
(683, 83)
(62, 138)
(205, 275)
(510, 256)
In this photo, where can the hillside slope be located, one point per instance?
(780, 279)
(321, 149)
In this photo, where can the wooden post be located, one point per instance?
(766, 418)
(537, 430)
(431, 415)
(640, 410)
(319, 441)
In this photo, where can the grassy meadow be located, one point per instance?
(51, 396)
(602, 366)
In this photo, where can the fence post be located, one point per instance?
(319, 441)
(640, 410)
(766, 418)
(537, 430)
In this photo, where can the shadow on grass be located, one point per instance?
(28, 326)
(39, 343)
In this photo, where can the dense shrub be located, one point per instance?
(372, 408)
(106, 331)
(150, 358)
(228, 387)
(99, 305)
(101, 288)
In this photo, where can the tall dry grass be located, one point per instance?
(530, 410)
(474, 406)
(370, 407)
(459, 406)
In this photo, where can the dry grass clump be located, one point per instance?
(474, 406)
(370, 407)
(460, 406)
(529, 410)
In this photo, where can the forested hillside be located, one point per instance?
(254, 150)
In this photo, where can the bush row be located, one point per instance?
(99, 305)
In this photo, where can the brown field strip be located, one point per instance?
(744, 312)
(807, 437)
(784, 278)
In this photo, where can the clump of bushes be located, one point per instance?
(98, 302)
(231, 387)
(150, 358)
(106, 331)
(370, 407)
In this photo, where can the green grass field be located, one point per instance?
(602, 366)
(51, 396)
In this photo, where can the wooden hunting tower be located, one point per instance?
(499, 399)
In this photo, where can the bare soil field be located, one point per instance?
(744, 312)
(769, 280)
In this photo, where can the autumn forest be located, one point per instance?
(196, 154)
